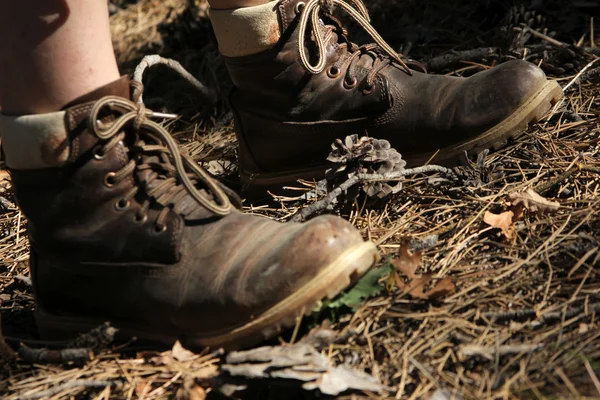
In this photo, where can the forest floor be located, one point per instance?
(511, 245)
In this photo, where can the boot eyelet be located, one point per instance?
(334, 71)
(139, 218)
(350, 83)
(159, 228)
(98, 152)
(299, 7)
(369, 88)
(110, 180)
(122, 205)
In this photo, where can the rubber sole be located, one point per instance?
(257, 185)
(334, 278)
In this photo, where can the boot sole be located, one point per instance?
(334, 278)
(257, 185)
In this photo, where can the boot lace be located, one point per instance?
(155, 150)
(381, 52)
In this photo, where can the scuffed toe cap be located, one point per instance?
(516, 81)
(321, 241)
(487, 98)
(312, 249)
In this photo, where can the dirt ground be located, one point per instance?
(520, 320)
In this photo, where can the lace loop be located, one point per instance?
(138, 117)
(357, 10)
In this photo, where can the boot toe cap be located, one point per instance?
(326, 245)
(517, 81)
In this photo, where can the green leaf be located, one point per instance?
(368, 286)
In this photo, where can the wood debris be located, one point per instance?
(300, 362)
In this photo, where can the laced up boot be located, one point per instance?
(125, 229)
(300, 83)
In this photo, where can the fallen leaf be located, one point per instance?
(301, 363)
(320, 337)
(533, 202)
(190, 390)
(181, 354)
(177, 354)
(366, 287)
(341, 379)
(407, 262)
(503, 221)
(443, 287)
(142, 388)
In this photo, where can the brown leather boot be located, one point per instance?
(125, 229)
(313, 85)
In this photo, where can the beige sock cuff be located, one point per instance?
(248, 30)
(34, 141)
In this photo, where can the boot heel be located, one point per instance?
(54, 328)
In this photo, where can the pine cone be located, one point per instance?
(365, 155)
(516, 19)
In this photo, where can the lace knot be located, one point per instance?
(357, 11)
(187, 173)
(140, 116)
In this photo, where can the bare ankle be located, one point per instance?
(229, 4)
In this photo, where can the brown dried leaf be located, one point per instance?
(181, 354)
(177, 354)
(416, 287)
(503, 221)
(302, 363)
(407, 262)
(533, 202)
(443, 287)
(142, 388)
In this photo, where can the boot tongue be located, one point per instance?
(122, 87)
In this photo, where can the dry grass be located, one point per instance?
(540, 290)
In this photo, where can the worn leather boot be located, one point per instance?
(125, 229)
(310, 85)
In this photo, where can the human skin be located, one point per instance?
(54, 51)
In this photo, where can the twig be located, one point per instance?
(544, 187)
(65, 356)
(544, 318)
(79, 383)
(576, 79)
(447, 60)
(97, 339)
(589, 75)
(207, 95)
(4, 202)
(489, 352)
(543, 37)
(592, 50)
(330, 200)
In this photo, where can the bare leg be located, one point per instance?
(228, 4)
(51, 52)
